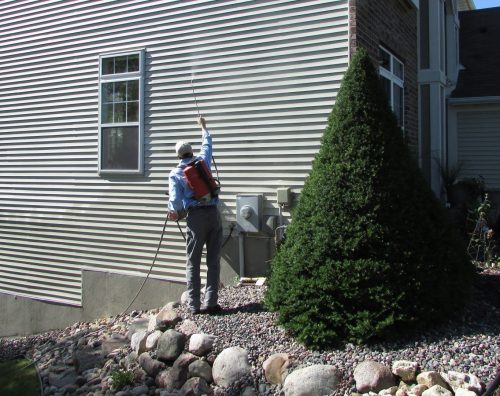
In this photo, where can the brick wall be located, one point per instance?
(392, 24)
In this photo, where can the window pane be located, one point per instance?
(398, 69)
(133, 90)
(120, 147)
(107, 92)
(385, 60)
(133, 63)
(398, 103)
(386, 85)
(132, 111)
(108, 66)
(120, 64)
(120, 91)
(107, 113)
(119, 112)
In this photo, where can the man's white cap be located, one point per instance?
(182, 148)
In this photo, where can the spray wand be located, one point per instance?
(199, 115)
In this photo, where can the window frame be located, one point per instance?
(121, 77)
(394, 80)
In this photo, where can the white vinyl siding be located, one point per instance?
(478, 145)
(266, 74)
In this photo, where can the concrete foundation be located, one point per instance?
(107, 294)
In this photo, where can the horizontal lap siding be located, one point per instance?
(479, 145)
(266, 74)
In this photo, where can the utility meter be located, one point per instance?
(249, 212)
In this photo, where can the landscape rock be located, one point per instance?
(201, 344)
(63, 378)
(152, 340)
(417, 390)
(151, 366)
(389, 391)
(316, 380)
(437, 390)
(165, 319)
(136, 325)
(88, 358)
(466, 381)
(200, 368)
(170, 345)
(110, 344)
(138, 341)
(230, 366)
(276, 368)
(405, 369)
(195, 387)
(373, 376)
(464, 392)
(430, 379)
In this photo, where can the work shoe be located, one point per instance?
(211, 309)
(194, 311)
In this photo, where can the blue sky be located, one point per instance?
(486, 3)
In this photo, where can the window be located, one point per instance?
(392, 76)
(121, 113)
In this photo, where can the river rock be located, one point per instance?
(195, 387)
(230, 366)
(317, 380)
(276, 368)
(152, 340)
(138, 341)
(170, 345)
(431, 378)
(405, 370)
(200, 368)
(201, 344)
(371, 376)
(460, 380)
(437, 390)
(151, 366)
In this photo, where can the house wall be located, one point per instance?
(392, 24)
(474, 126)
(266, 74)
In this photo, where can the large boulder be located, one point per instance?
(317, 380)
(371, 376)
(170, 345)
(230, 366)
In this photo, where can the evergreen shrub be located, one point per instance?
(369, 249)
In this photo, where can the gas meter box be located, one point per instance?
(249, 212)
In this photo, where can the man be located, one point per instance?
(203, 225)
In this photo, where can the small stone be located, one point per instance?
(431, 378)
(405, 369)
(201, 344)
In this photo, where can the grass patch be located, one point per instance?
(16, 380)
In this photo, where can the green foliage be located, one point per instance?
(18, 378)
(121, 379)
(369, 248)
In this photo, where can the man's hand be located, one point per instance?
(202, 123)
(172, 216)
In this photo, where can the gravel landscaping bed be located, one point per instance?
(469, 345)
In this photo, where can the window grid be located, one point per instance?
(391, 73)
(121, 113)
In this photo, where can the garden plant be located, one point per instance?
(369, 250)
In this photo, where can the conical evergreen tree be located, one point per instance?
(370, 248)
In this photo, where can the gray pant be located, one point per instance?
(204, 226)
